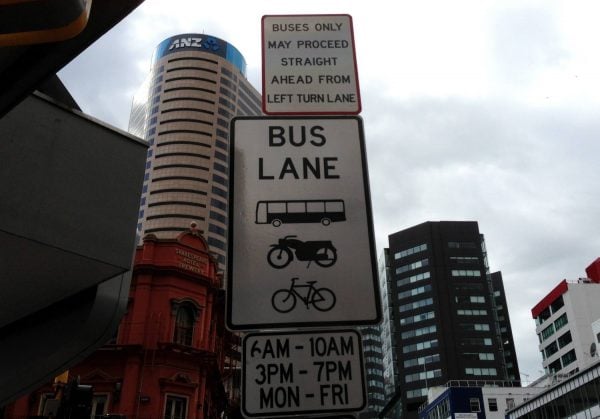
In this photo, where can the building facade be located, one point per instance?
(373, 358)
(577, 396)
(197, 83)
(475, 399)
(564, 319)
(447, 317)
(388, 341)
(168, 357)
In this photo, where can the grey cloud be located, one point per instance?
(525, 40)
(528, 175)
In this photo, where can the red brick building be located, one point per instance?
(168, 357)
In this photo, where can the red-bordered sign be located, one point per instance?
(309, 65)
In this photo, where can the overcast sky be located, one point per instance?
(473, 110)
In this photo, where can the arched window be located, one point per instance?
(186, 314)
(184, 325)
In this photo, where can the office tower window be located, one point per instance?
(472, 312)
(466, 272)
(479, 327)
(421, 360)
(410, 251)
(419, 376)
(414, 291)
(462, 245)
(417, 318)
(420, 392)
(419, 332)
(416, 304)
(420, 346)
(464, 259)
(411, 266)
(481, 371)
(413, 278)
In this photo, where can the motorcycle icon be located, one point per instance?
(321, 252)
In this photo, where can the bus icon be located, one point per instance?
(324, 211)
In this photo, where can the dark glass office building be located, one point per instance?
(451, 320)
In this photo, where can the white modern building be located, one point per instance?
(197, 83)
(475, 399)
(564, 320)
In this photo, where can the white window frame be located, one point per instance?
(177, 396)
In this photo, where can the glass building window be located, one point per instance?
(471, 312)
(411, 266)
(413, 278)
(466, 272)
(420, 346)
(464, 259)
(478, 327)
(565, 339)
(416, 304)
(411, 251)
(421, 360)
(547, 332)
(425, 375)
(561, 321)
(420, 392)
(555, 366)
(417, 318)
(462, 245)
(550, 350)
(481, 371)
(482, 356)
(568, 358)
(557, 304)
(419, 332)
(219, 179)
(218, 204)
(221, 168)
(414, 291)
(218, 217)
(219, 191)
(217, 243)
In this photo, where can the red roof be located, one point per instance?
(593, 271)
(559, 290)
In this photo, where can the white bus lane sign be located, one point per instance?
(309, 65)
(302, 373)
(301, 249)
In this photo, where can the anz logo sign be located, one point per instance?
(206, 43)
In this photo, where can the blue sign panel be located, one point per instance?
(201, 42)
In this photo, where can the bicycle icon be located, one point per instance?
(284, 300)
